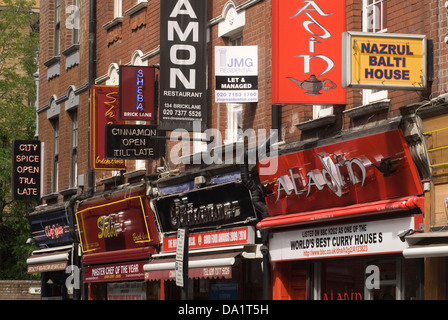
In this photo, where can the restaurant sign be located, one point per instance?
(371, 168)
(104, 111)
(134, 141)
(307, 51)
(226, 203)
(137, 95)
(342, 240)
(115, 272)
(384, 61)
(26, 163)
(201, 240)
(116, 225)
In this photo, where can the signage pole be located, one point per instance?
(182, 261)
(184, 295)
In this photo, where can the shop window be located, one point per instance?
(367, 279)
(374, 20)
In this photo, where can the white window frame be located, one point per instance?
(234, 131)
(377, 20)
(118, 9)
(322, 110)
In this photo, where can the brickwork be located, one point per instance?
(117, 42)
(19, 290)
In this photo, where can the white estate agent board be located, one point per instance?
(236, 74)
(360, 238)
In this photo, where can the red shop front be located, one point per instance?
(117, 237)
(338, 217)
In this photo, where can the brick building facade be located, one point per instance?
(77, 52)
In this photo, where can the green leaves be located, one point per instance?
(19, 41)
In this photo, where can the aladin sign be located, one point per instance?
(366, 169)
(307, 51)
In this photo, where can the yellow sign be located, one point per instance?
(384, 61)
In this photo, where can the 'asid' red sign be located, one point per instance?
(307, 51)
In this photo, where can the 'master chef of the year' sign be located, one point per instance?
(183, 64)
(384, 61)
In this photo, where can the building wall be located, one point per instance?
(19, 290)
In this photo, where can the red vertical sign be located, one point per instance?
(137, 93)
(104, 110)
(307, 51)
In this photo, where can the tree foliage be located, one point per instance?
(19, 40)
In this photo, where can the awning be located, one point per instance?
(427, 245)
(51, 259)
(203, 266)
(117, 256)
(358, 210)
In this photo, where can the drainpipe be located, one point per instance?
(92, 77)
(260, 206)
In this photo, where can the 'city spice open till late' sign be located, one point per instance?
(26, 169)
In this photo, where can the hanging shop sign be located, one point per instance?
(384, 61)
(26, 163)
(125, 141)
(137, 95)
(202, 240)
(307, 51)
(104, 110)
(205, 207)
(183, 94)
(117, 225)
(342, 240)
(371, 168)
(236, 74)
(50, 228)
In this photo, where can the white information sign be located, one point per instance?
(179, 270)
(236, 74)
(360, 238)
(180, 244)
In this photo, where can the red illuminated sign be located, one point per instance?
(104, 111)
(307, 51)
(115, 272)
(117, 225)
(235, 236)
(137, 93)
(371, 168)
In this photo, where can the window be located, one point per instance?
(57, 27)
(234, 130)
(117, 9)
(322, 110)
(76, 22)
(373, 20)
(373, 16)
(55, 158)
(73, 149)
(234, 123)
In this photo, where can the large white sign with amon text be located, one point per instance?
(354, 239)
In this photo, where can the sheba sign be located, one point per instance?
(386, 61)
(183, 67)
